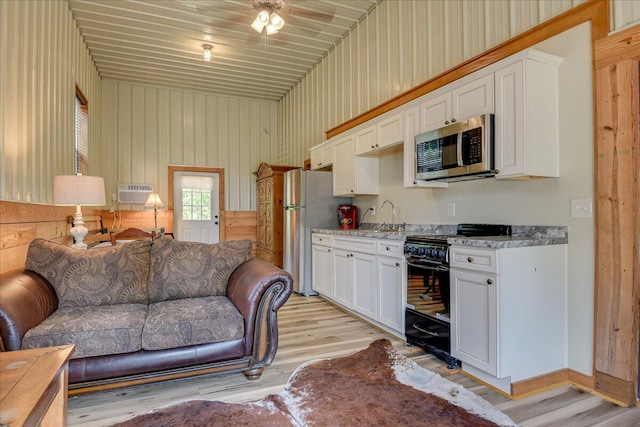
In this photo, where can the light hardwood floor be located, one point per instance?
(311, 328)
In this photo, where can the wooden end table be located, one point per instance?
(33, 386)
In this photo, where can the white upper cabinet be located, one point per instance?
(366, 140)
(322, 155)
(381, 137)
(527, 117)
(353, 175)
(473, 98)
(458, 102)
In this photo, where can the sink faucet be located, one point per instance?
(393, 211)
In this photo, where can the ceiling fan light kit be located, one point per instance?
(268, 18)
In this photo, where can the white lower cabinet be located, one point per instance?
(365, 284)
(391, 286)
(509, 312)
(367, 276)
(322, 271)
(342, 277)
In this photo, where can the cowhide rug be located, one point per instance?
(374, 387)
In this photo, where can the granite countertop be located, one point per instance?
(522, 236)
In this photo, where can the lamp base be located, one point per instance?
(78, 231)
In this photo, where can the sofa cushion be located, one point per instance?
(93, 277)
(191, 269)
(191, 321)
(95, 331)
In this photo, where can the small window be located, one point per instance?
(81, 140)
(196, 204)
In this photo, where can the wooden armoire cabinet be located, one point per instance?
(270, 210)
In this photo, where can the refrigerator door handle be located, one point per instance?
(291, 208)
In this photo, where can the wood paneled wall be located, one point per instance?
(20, 223)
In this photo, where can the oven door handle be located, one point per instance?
(435, 334)
(435, 267)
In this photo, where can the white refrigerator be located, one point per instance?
(308, 203)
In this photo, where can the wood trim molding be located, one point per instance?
(596, 11)
(220, 172)
(617, 216)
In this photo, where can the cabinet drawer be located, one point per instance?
(360, 244)
(321, 239)
(473, 259)
(393, 248)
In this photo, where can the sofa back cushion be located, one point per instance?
(93, 277)
(191, 269)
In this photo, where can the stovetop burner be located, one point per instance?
(434, 248)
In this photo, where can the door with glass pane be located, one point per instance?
(196, 210)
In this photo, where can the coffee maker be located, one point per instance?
(348, 217)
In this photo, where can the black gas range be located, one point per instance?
(427, 320)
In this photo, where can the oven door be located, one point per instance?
(427, 286)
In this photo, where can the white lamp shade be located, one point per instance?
(153, 200)
(71, 190)
(271, 29)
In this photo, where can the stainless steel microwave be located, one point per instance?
(457, 152)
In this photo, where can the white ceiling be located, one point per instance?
(159, 42)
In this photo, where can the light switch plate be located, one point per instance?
(582, 208)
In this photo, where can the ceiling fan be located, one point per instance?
(268, 18)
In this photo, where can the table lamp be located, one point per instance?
(78, 190)
(154, 200)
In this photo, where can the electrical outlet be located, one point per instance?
(451, 209)
(373, 210)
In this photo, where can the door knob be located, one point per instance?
(489, 282)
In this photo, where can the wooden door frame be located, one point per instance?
(221, 205)
(617, 216)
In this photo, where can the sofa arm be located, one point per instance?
(258, 289)
(26, 299)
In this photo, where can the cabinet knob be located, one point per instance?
(387, 248)
(469, 259)
(397, 264)
(352, 191)
(319, 164)
(446, 122)
(377, 145)
(453, 120)
(373, 146)
(328, 250)
(415, 182)
(489, 282)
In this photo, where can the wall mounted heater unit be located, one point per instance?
(134, 193)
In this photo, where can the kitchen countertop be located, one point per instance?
(522, 236)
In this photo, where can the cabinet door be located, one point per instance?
(473, 98)
(435, 112)
(509, 125)
(474, 338)
(342, 277)
(390, 131)
(344, 175)
(316, 159)
(322, 270)
(327, 155)
(366, 140)
(391, 289)
(365, 284)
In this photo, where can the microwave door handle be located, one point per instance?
(459, 149)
